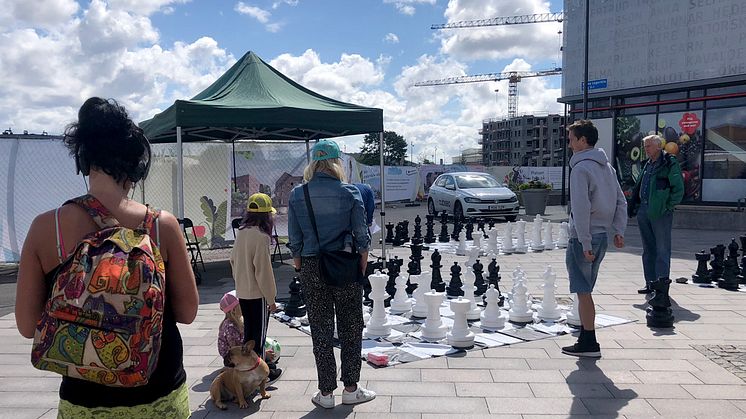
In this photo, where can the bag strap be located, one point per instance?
(100, 214)
(310, 213)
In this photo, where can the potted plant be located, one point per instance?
(534, 195)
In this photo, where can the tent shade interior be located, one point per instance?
(255, 101)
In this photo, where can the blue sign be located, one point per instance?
(596, 84)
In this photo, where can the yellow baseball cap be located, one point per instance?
(260, 202)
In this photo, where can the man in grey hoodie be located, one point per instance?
(598, 207)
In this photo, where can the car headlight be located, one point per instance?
(472, 200)
(513, 198)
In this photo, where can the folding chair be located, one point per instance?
(192, 244)
(235, 223)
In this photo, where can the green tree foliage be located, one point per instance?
(394, 149)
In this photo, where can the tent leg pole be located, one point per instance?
(180, 173)
(233, 161)
(308, 152)
(383, 198)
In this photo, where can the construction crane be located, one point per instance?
(499, 21)
(513, 78)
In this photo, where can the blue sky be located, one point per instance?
(147, 53)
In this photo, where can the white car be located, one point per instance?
(471, 194)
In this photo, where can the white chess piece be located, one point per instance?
(378, 325)
(520, 233)
(468, 288)
(564, 235)
(420, 307)
(434, 330)
(477, 240)
(366, 314)
(548, 240)
(473, 253)
(549, 310)
(400, 303)
(520, 310)
(461, 249)
(536, 243)
(492, 318)
(573, 316)
(516, 277)
(508, 238)
(460, 336)
(492, 242)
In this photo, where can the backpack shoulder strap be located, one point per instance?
(61, 253)
(151, 224)
(100, 214)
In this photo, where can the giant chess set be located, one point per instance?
(418, 315)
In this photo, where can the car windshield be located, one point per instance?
(476, 181)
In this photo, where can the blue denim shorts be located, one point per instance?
(582, 273)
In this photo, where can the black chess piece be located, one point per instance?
(370, 268)
(429, 231)
(491, 222)
(405, 224)
(717, 263)
(479, 278)
(493, 278)
(393, 267)
(730, 278)
(444, 237)
(743, 245)
(417, 228)
(742, 275)
(733, 249)
(399, 237)
(480, 226)
(295, 306)
(454, 285)
(436, 283)
(659, 313)
(457, 227)
(469, 229)
(702, 276)
(389, 232)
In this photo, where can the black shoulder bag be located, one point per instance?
(337, 267)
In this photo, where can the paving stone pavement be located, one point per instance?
(644, 373)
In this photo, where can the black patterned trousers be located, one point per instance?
(323, 302)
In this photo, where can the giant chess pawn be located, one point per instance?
(733, 249)
(469, 229)
(419, 310)
(730, 280)
(461, 249)
(520, 309)
(564, 235)
(573, 315)
(702, 276)
(443, 237)
(295, 306)
(417, 228)
(492, 242)
(454, 285)
(508, 247)
(477, 241)
(493, 278)
(659, 313)
(468, 289)
(479, 282)
(378, 325)
(400, 303)
(548, 239)
(437, 282)
(460, 336)
(520, 233)
(537, 244)
(492, 318)
(549, 310)
(434, 330)
(718, 262)
(473, 253)
(393, 267)
(429, 232)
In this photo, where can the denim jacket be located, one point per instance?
(338, 208)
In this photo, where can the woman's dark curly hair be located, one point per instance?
(104, 137)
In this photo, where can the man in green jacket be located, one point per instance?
(657, 191)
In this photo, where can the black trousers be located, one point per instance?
(323, 302)
(255, 321)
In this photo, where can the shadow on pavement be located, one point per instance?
(581, 383)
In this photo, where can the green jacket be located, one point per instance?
(666, 188)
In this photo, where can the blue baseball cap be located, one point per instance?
(325, 150)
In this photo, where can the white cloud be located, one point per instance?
(144, 7)
(46, 14)
(407, 7)
(256, 12)
(392, 38)
(539, 40)
(281, 2)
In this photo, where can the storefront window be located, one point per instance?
(724, 174)
(682, 133)
(628, 152)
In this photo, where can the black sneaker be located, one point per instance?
(274, 375)
(585, 349)
(645, 290)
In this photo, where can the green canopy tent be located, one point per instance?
(254, 101)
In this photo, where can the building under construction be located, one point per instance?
(527, 140)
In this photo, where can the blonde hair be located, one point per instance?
(235, 316)
(655, 139)
(330, 166)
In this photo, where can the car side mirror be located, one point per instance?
(451, 187)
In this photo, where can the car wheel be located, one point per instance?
(511, 218)
(458, 212)
(431, 207)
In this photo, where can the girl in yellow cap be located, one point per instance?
(252, 271)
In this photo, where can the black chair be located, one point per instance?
(236, 223)
(193, 248)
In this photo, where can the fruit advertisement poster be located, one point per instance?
(682, 136)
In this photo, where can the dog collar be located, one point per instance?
(258, 360)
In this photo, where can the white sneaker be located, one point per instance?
(360, 395)
(327, 402)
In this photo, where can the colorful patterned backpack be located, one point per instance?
(103, 319)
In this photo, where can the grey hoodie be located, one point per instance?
(597, 201)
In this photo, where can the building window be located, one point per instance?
(724, 173)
